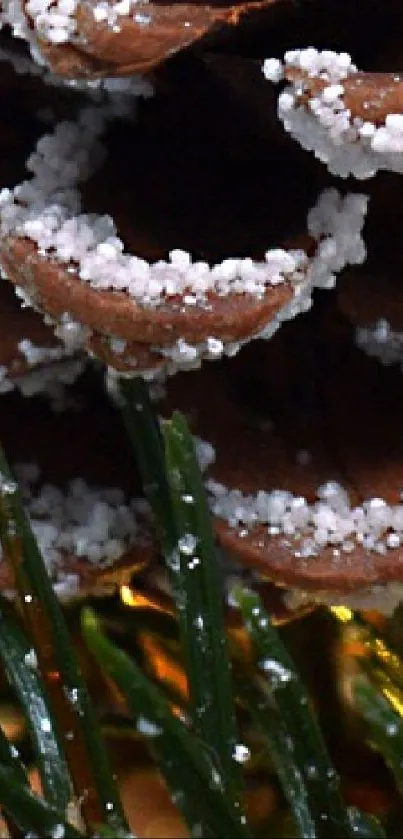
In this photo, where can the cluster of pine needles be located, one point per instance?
(194, 740)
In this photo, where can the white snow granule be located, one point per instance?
(50, 381)
(54, 22)
(35, 354)
(307, 527)
(96, 524)
(381, 341)
(273, 70)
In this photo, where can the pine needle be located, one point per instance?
(328, 813)
(269, 721)
(145, 437)
(29, 812)
(22, 675)
(385, 726)
(195, 565)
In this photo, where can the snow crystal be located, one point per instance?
(147, 727)
(97, 89)
(273, 70)
(35, 354)
(187, 544)
(279, 675)
(53, 21)
(381, 341)
(241, 753)
(52, 370)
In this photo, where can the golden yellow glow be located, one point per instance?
(394, 698)
(137, 600)
(12, 722)
(342, 613)
(386, 655)
(164, 666)
(353, 647)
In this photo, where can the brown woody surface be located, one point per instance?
(138, 42)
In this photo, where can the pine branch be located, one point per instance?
(85, 752)
(190, 774)
(175, 489)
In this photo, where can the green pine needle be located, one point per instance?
(29, 812)
(385, 726)
(269, 720)
(195, 565)
(145, 437)
(16, 653)
(328, 813)
(365, 826)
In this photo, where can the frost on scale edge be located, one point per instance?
(54, 21)
(96, 89)
(346, 145)
(47, 210)
(307, 528)
(94, 524)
